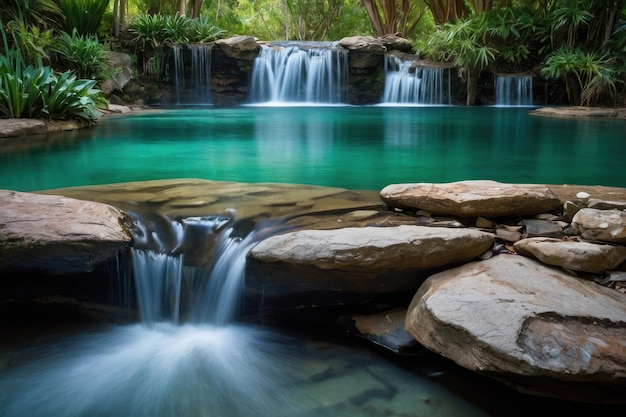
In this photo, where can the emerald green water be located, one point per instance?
(351, 147)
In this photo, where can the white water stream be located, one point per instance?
(294, 73)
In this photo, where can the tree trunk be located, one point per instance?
(447, 11)
(374, 15)
(116, 18)
(481, 6)
(196, 8)
(472, 85)
(182, 7)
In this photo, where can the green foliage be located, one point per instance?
(33, 42)
(68, 97)
(589, 77)
(83, 15)
(35, 90)
(84, 53)
(32, 12)
(202, 30)
(149, 30)
(176, 29)
(20, 88)
(156, 34)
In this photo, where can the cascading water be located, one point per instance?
(514, 90)
(405, 84)
(303, 73)
(213, 367)
(208, 366)
(193, 86)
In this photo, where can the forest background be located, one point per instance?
(580, 44)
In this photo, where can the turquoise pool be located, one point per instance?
(343, 146)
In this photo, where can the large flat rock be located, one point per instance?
(362, 259)
(475, 198)
(57, 235)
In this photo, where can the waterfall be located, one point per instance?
(179, 71)
(164, 284)
(301, 73)
(201, 72)
(193, 86)
(514, 90)
(405, 84)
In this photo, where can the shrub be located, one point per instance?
(203, 31)
(68, 97)
(84, 53)
(83, 15)
(20, 88)
(589, 78)
(33, 42)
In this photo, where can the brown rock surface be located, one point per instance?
(535, 328)
(57, 234)
(472, 198)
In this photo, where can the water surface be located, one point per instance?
(339, 146)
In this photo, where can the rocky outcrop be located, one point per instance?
(368, 44)
(533, 327)
(533, 299)
(119, 65)
(472, 198)
(57, 235)
(239, 47)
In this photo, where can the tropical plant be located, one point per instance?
(464, 43)
(32, 12)
(202, 30)
(83, 15)
(68, 97)
(84, 53)
(20, 88)
(36, 90)
(589, 77)
(33, 42)
(176, 29)
(150, 41)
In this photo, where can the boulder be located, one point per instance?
(58, 235)
(239, 47)
(535, 328)
(603, 225)
(361, 259)
(472, 198)
(396, 43)
(367, 44)
(120, 65)
(576, 256)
